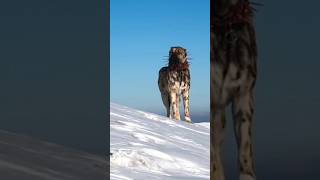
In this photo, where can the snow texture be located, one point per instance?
(150, 146)
(26, 158)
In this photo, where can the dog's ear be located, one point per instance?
(185, 52)
(172, 50)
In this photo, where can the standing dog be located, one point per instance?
(174, 81)
(233, 75)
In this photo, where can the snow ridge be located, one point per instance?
(150, 146)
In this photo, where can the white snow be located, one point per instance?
(150, 146)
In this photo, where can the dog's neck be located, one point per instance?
(173, 66)
(225, 9)
(232, 12)
(222, 7)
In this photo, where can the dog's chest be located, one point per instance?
(178, 80)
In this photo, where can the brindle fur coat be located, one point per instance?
(174, 81)
(233, 62)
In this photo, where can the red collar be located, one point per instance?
(239, 13)
(179, 66)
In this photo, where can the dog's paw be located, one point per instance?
(188, 119)
(246, 177)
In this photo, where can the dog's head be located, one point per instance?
(177, 55)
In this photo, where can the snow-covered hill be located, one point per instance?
(27, 158)
(149, 146)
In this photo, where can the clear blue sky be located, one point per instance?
(141, 33)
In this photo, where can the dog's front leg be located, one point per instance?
(217, 124)
(242, 110)
(174, 110)
(178, 107)
(186, 105)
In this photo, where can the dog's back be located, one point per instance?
(163, 79)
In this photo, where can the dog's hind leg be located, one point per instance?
(166, 102)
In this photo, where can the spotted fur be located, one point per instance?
(233, 66)
(174, 82)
